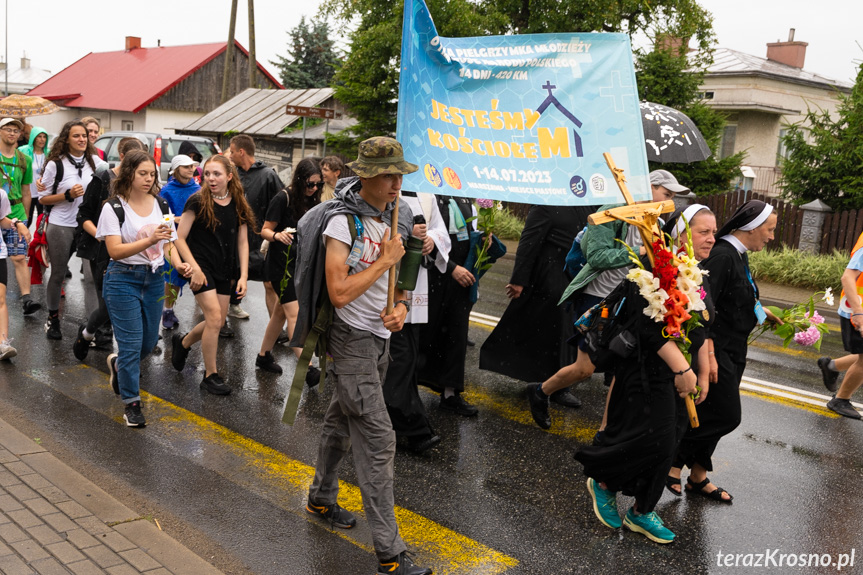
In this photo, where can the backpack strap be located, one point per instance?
(58, 176)
(118, 211)
(316, 343)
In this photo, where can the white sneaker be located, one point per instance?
(7, 351)
(236, 311)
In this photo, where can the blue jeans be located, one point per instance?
(133, 296)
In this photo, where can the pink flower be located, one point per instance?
(483, 203)
(701, 292)
(808, 337)
(816, 318)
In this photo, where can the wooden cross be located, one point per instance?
(644, 217)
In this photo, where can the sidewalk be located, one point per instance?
(53, 521)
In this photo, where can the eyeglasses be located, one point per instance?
(314, 184)
(11, 130)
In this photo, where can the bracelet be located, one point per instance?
(68, 196)
(405, 303)
(711, 353)
(684, 371)
(853, 314)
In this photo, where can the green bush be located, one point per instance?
(799, 269)
(508, 226)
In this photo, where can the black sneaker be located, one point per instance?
(179, 352)
(830, 376)
(104, 338)
(337, 516)
(81, 345)
(538, 405)
(267, 363)
(313, 377)
(52, 328)
(215, 384)
(422, 443)
(843, 407)
(565, 398)
(31, 306)
(226, 331)
(456, 404)
(112, 373)
(401, 564)
(283, 338)
(133, 415)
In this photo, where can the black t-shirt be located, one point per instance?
(214, 250)
(279, 212)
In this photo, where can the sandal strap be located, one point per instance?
(698, 486)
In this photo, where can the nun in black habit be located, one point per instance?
(738, 311)
(529, 342)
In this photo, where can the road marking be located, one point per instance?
(270, 474)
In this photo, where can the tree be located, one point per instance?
(828, 165)
(311, 60)
(368, 81)
(667, 76)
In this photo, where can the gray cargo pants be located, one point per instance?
(358, 415)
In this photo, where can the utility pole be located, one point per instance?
(253, 65)
(229, 52)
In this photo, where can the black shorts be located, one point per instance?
(222, 285)
(851, 338)
(3, 272)
(289, 294)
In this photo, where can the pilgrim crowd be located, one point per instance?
(323, 246)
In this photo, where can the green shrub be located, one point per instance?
(799, 269)
(507, 225)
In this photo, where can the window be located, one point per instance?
(127, 125)
(706, 95)
(782, 149)
(726, 147)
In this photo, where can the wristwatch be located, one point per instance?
(405, 303)
(15, 222)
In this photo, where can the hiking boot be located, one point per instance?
(52, 327)
(7, 352)
(178, 352)
(538, 405)
(313, 377)
(337, 516)
(169, 319)
(133, 416)
(456, 404)
(81, 345)
(104, 338)
(112, 373)
(215, 384)
(830, 376)
(283, 338)
(604, 504)
(565, 398)
(226, 331)
(267, 363)
(31, 306)
(843, 407)
(401, 564)
(236, 311)
(649, 525)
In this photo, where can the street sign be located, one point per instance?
(306, 112)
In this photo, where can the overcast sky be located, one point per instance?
(833, 28)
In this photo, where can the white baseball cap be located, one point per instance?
(181, 160)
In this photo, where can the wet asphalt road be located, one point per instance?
(499, 495)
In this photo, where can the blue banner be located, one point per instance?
(519, 118)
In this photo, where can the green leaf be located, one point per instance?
(785, 330)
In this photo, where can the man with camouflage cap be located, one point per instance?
(358, 339)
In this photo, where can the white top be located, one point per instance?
(426, 204)
(134, 228)
(5, 211)
(364, 312)
(65, 213)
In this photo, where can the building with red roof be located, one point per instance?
(147, 89)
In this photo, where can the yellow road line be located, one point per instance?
(276, 477)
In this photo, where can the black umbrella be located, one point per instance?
(671, 136)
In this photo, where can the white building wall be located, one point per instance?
(165, 121)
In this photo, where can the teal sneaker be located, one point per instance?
(649, 525)
(604, 504)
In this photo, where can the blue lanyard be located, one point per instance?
(358, 224)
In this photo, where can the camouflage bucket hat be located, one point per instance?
(381, 155)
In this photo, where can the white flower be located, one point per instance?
(695, 302)
(690, 272)
(828, 296)
(655, 309)
(640, 277)
(649, 288)
(687, 286)
(290, 230)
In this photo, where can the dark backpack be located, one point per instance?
(607, 330)
(575, 259)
